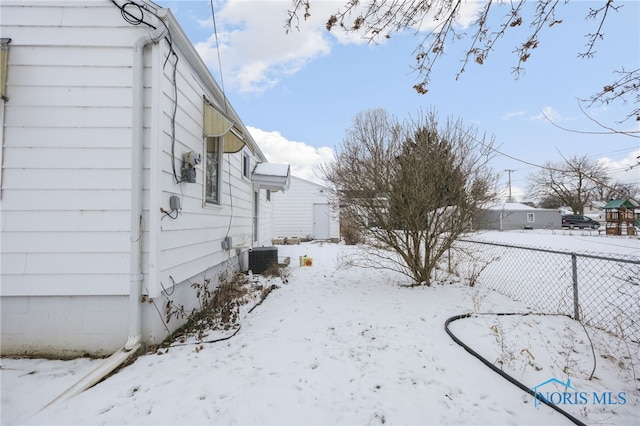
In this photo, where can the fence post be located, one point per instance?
(574, 270)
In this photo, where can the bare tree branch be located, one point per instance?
(384, 18)
(599, 34)
(610, 130)
(293, 14)
(628, 85)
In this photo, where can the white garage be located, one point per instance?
(305, 211)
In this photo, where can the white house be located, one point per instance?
(305, 211)
(126, 177)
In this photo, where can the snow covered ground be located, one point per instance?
(345, 345)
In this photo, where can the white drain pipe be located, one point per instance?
(136, 273)
(135, 330)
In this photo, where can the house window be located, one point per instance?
(268, 195)
(246, 165)
(531, 217)
(214, 173)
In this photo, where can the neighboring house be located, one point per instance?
(305, 211)
(126, 177)
(595, 210)
(510, 216)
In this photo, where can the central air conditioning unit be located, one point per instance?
(262, 258)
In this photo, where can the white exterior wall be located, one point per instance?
(66, 170)
(192, 242)
(66, 179)
(293, 210)
(266, 225)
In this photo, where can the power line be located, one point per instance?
(542, 167)
(630, 150)
(215, 32)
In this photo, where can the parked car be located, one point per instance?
(578, 221)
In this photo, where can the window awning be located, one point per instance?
(4, 62)
(272, 176)
(217, 125)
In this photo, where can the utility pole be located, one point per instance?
(510, 200)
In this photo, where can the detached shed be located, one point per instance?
(510, 216)
(304, 211)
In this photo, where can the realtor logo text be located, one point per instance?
(571, 396)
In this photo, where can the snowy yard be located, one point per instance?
(339, 345)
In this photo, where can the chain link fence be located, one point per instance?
(598, 289)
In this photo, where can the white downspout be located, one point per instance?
(136, 273)
(136, 276)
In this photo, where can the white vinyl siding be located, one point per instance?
(67, 171)
(293, 209)
(66, 151)
(67, 159)
(191, 244)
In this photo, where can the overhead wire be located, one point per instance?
(226, 110)
(538, 166)
(134, 14)
(215, 33)
(137, 19)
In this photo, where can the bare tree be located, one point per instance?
(619, 190)
(549, 202)
(496, 19)
(573, 183)
(411, 188)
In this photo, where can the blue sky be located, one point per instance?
(299, 92)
